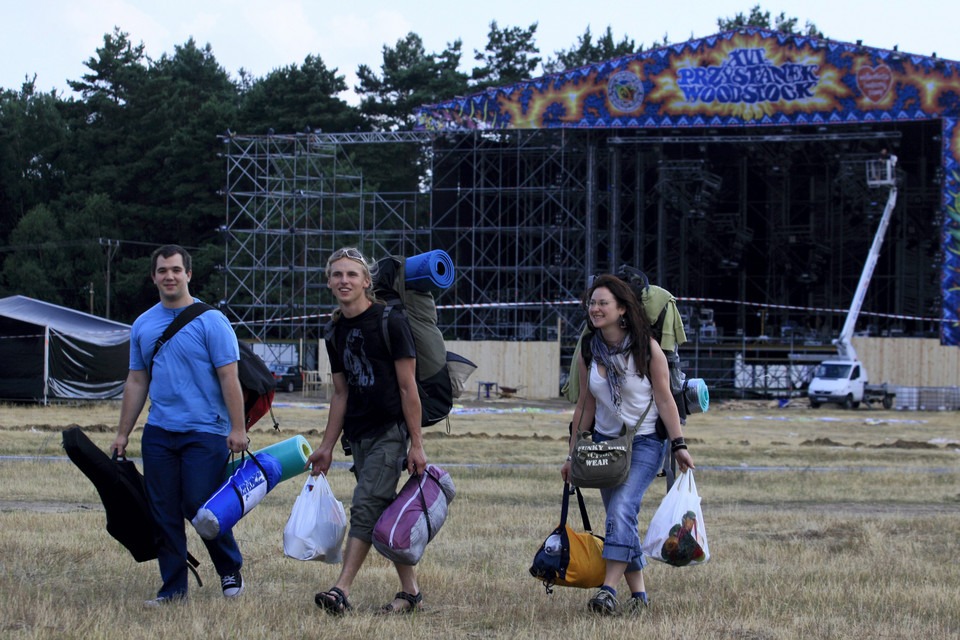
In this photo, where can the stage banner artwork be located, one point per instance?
(745, 78)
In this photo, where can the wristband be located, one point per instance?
(569, 458)
(678, 441)
(678, 447)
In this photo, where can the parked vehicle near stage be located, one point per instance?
(289, 377)
(844, 382)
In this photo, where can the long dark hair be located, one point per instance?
(638, 325)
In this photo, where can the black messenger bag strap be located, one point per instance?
(182, 319)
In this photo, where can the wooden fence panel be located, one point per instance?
(532, 368)
(909, 362)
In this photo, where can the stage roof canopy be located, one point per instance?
(749, 80)
(745, 77)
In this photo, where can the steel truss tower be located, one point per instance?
(290, 201)
(513, 209)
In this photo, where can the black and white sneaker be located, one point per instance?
(639, 604)
(604, 603)
(162, 601)
(232, 584)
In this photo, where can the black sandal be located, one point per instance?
(333, 602)
(415, 603)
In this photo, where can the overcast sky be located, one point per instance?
(53, 38)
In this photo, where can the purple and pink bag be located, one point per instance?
(415, 516)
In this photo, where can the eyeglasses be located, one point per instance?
(351, 253)
(599, 303)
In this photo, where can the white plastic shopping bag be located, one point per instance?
(317, 524)
(676, 534)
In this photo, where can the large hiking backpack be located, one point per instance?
(256, 379)
(121, 489)
(441, 375)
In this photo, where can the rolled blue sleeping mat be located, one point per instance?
(430, 270)
(237, 496)
(291, 453)
(695, 395)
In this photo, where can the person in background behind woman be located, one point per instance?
(623, 372)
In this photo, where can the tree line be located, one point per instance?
(91, 183)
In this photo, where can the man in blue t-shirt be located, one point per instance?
(195, 420)
(376, 407)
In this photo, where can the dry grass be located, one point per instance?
(853, 536)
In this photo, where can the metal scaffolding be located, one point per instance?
(290, 201)
(776, 217)
(513, 210)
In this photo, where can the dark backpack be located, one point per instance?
(124, 498)
(440, 373)
(256, 379)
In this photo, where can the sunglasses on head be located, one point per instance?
(353, 254)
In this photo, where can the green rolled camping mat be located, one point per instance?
(292, 454)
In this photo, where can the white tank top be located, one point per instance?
(636, 393)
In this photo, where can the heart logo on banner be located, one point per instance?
(875, 82)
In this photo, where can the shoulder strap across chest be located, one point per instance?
(182, 319)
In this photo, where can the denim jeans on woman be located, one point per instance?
(181, 470)
(622, 503)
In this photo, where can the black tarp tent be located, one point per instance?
(51, 352)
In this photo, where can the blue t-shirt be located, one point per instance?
(185, 392)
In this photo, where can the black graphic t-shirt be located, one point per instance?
(359, 352)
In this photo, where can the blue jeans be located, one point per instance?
(181, 470)
(622, 503)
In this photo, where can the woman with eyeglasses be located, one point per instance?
(623, 378)
(376, 407)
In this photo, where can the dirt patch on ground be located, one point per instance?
(821, 442)
(844, 508)
(905, 444)
(435, 435)
(41, 506)
(95, 428)
(899, 444)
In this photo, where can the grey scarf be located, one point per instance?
(615, 361)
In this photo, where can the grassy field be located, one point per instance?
(822, 524)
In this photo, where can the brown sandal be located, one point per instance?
(415, 603)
